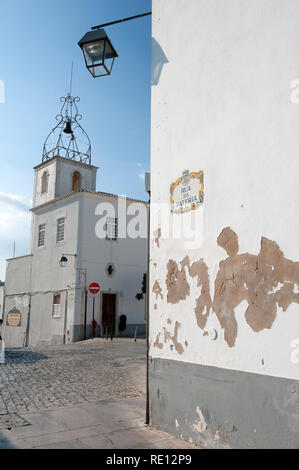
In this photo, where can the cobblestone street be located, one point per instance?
(60, 376)
(88, 395)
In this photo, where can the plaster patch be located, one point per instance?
(255, 271)
(157, 343)
(157, 235)
(204, 302)
(265, 281)
(201, 424)
(177, 286)
(174, 338)
(157, 290)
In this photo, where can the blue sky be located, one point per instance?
(38, 42)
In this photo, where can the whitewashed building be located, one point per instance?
(2, 287)
(224, 316)
(46, 303)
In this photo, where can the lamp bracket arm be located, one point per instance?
(121, 21)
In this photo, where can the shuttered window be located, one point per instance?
(111, 228)
(56, 305)
(60, 230)
(41, 235)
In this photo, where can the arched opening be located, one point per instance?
(45, 180)
(76, 186)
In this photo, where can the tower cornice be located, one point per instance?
(58, 157)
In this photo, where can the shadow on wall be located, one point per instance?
(5, 442)
(20, 356)
(158, 61)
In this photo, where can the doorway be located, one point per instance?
(108, 314)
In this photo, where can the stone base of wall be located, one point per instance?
(219, 408)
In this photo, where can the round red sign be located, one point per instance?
(94, 288)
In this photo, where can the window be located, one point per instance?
(41, 235)
(45, 180)
(76, 185)
(111, 228)
(56, 306)
(60, 230)
(110, 270)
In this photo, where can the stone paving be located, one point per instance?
(55, 377)
(89, 395)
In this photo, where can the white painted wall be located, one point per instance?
(222, 105)
(39, 197)
(60, 172)
(129, 257)
(17, 290)
(1, 300)
(64, 178)
(48, 277)
(36, 282)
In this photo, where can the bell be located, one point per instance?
(68, 128)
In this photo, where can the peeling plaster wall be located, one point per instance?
(224, 313)
(222, 105)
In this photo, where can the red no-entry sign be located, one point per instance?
(94, 288)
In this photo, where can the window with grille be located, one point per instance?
(56, 306)
(111, 228)
(60, 230)
(41, 235)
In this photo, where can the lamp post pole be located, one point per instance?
(99, 55)
(63, 263)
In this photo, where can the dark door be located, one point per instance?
(108, 313)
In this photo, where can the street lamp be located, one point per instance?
(63, 260)
(99, 53)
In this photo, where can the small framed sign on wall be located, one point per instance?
(187, 192)
(14, 318)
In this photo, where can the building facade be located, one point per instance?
(47, 301)
(224, 337)
(2, 287)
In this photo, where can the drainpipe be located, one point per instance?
(85, 313)
(65, 316)
(28, 324)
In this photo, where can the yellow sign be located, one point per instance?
(14, 318)
(187, 192)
